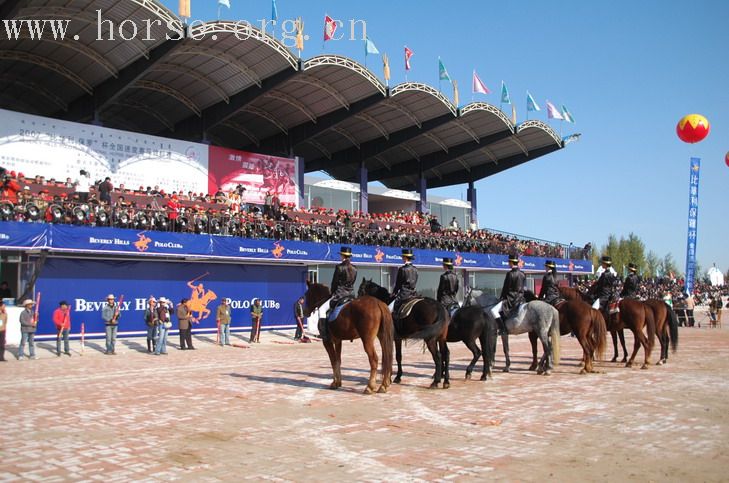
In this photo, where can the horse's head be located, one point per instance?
(529, 295)
(364, 287)
(316, 294)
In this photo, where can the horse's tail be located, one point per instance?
(672, 327)
(387, 340)
(554, 335)
(436, 328)
(599, 333)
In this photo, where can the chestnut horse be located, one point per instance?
(666, 327)
(428, 320)
(586, 323)
(364, 318)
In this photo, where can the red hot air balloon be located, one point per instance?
(693, 128)
(726, 159)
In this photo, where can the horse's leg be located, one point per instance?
(614, 334)
(643, 340)
(621, 335)
(505, 344)
(338, 370)
(545, 364)
(445, 355)
(533, 337)
(471, 344)
(586, 353)
(486, 362)
(369, 347)
(398, 358)
(329, 346)
(433, 348)
(636, 346)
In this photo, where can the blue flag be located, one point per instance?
(274, 11)
(224, 3)
(531, 104)
(505, 99)
(370, 47)
(442, 72)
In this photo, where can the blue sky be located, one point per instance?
(628, 71)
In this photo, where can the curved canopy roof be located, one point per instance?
(235, 86)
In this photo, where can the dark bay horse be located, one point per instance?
(428, 320)
(636, 316)
(364, 318)
(666, 327)
(469, 324)
(588, 326)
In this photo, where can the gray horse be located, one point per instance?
(535, 317)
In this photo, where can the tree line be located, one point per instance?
(632, 250)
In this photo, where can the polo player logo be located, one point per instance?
(143, 243)
(571, 265)
(521, 264)
(278, 250)
(200, 298)
(379, 255)
(459, 260)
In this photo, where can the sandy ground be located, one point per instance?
(265, 413)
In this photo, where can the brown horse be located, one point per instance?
(428, 320)
(587, 324)
(636, 316)
(364, 318)
(666, 327)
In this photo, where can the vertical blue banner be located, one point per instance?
(693, 215)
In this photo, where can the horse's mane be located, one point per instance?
(571, 293)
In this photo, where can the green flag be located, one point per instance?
(442, 72)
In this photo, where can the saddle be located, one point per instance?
(405, 308)
(614, 307)
(335, 312)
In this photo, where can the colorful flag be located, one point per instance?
(531, 104)
(330, 26)
(299, 34)
(442, 72)
(386, 66)
(553, 112)
(224, 3)
(408, 54)
(567, 115)
(455, 93)
(184, 8)
(370, 47)
(274, 11)
(505, 99)
(478, 85)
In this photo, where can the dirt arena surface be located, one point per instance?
(231, 414)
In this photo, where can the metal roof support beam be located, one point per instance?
(433, 160)
(106, 93)
(422, 204)
(372, 148)
(473, 199)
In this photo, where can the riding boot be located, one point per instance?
(323, 329)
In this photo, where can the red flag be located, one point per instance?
(330, 26)
(408, 54)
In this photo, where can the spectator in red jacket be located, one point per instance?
(10, 189)
(62, 321)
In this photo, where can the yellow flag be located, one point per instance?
(455, 92)
(513, 114)
(299, 34)
(386, 66)
(185, 8)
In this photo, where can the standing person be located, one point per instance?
(184, 317)
(151, 320)
(690, 304)
(163, 326)
(3, 326)
(448, 287)
(256, 316)
(550, 288)
(267, 205)
(222, 317)
(110, 315)
(27, 330)
(105, 189)
(405, 282)
(631, 286)
(299, 316)
(62, 321)
(83, 185)
(5, 292)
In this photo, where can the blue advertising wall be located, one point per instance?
(154, 243)
(86, 283)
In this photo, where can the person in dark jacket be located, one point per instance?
(343, 279)
(604, 289)
(407, 279)
(448, 286)
(631, 286)
(512, 293)
(550, 288)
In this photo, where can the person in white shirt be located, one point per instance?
(83, 184)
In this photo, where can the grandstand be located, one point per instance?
(231, 90)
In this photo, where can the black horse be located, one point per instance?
(428, 321)
(469, 324)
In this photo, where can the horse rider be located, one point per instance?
(604, 288)
(448, 286)
(407, 279)
(631, 286)
(550, 289)
(345, 275)
(512, 292)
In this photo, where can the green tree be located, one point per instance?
(669, 266)
(652, 264)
